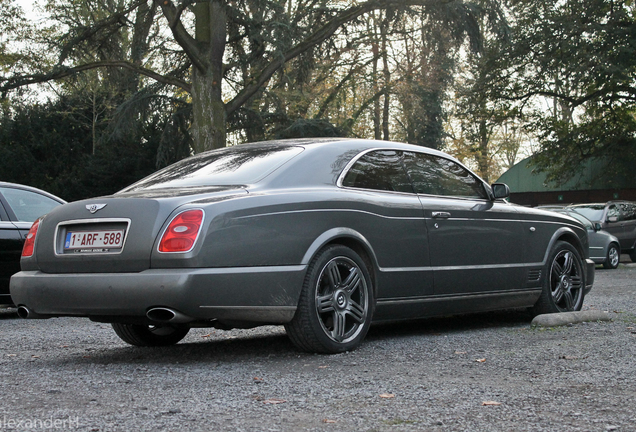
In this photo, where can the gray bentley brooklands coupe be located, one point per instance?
(323, 236)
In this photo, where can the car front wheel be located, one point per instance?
(149, 335)
(613, 257)
(564, 281)
(336, 303)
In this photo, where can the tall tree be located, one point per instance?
(229, 51)
(580, 57)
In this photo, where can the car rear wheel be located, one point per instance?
(613, 257)
(336, 303)
(149, 335)
(564, 282)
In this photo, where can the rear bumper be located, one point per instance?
(252, 294)
(589, 280)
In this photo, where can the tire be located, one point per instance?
(336, 303)
(564, 281)
(632, 255)
(613, 257)
(149, 335)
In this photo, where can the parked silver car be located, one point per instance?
(604, 247)
(617, 218)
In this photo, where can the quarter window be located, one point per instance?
(379, 170)
(434, 175)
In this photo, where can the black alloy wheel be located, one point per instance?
(336, 303)
(564, 283)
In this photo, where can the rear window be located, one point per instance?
(227, 166)
(594, 213)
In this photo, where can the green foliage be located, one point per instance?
(579, 56)
(47, 147)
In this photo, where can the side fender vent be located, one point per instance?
(534, 275)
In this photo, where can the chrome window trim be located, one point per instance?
(355, 159)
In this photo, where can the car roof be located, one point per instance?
(31, 189)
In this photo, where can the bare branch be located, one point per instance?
(63, 72)
(320, 35)
(181, 35)
(88, 32)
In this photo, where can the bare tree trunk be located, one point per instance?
(387, 81)
(208, 128)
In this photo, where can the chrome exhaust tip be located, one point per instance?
(25, 312)
(167, 315)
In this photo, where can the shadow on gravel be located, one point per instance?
(218, 349)
(445, 325)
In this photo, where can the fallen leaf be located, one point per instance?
(11, 355)
(387, 395)
(480, 360)
(490, 403)
(258, 380)
(274, 401)
(64, 346)
(461, 352)
(322, 367)
(328, 421)
(207, 335)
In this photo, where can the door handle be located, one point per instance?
(441, 215)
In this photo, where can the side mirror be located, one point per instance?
(612, 219)
(597, 226)
(500, 190)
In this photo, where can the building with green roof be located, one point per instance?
(594, 183)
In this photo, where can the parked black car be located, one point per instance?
(321, 235)
(20, 206)
(617, 218)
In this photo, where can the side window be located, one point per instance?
(27, 205)
(628, 211)
(612, 212)
(379, 170)
(434, 175)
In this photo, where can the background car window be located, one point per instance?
(27, 205)
(612, 211)
(380, 170)
(434, 175)
(628, 211)
(592, 212)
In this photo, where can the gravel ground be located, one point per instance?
(487, 372)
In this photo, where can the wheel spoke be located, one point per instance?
(576, 282)
(557, 270)
(569, 300)
(334, 275)
(339, 326)
(324, 303)
(356, 311)
(557, 294)
(352, 282)
(567, 265)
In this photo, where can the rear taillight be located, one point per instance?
(182, 232)
(29, 244)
